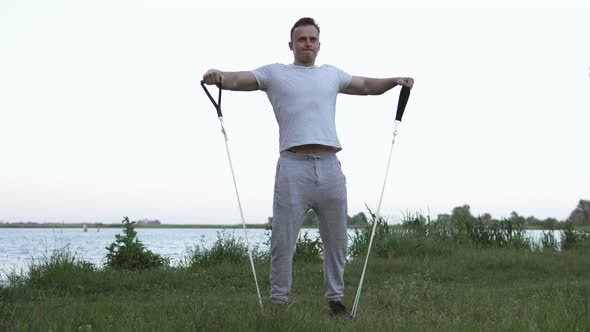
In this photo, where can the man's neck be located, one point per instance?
(296, 63)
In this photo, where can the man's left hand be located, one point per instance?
(407, 82)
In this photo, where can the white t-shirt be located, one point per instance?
(304, 102)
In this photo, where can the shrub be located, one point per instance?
(128, 253)
(362, 237)
(574, 238)
(308, 250)
(463, 229)
(548, 241)
(57, 269)
(419, 236)
(229, 249)
(226, 249)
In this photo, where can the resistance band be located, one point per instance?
(220, 116)
(404, 95)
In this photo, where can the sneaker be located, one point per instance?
(338, 310)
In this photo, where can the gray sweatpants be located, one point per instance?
(303, 182)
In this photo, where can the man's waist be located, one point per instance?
(311, 148)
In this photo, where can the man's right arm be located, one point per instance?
(232, 80)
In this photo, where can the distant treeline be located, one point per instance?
(580, 216)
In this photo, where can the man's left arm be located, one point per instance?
(375, 86)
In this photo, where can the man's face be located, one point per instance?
(305, 44)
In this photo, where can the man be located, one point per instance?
(308, 174)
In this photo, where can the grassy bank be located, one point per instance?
(456, 289)
(417, 283)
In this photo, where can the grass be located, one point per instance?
(457, 274)
(455, 288)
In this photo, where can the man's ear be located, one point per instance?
(319, 46)
(291, 46)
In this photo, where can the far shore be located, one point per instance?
(119, 225)
(211, 226)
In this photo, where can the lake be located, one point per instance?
(20, 246)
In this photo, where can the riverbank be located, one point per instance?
(462, 273)
(447, 288)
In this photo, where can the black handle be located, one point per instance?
(216, 104)
(404, 95)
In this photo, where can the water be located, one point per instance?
(20, 246)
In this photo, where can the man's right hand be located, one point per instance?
(238, 80)
(213, 76)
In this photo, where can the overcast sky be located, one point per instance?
(102, 115)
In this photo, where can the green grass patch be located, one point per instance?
(463, 274)
(460, 289)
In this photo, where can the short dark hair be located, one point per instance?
(303, 22)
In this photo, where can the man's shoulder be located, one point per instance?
(328, 66)
(275, 65)
(269, 70)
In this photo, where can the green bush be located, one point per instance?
(226, 249)
(308, 250)
(128, 253)
(51, 270)
(548, 241)
(419, 236)
(360, 241)
(362, 237)
(229, 249)
(574, 239)
(463, 229)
